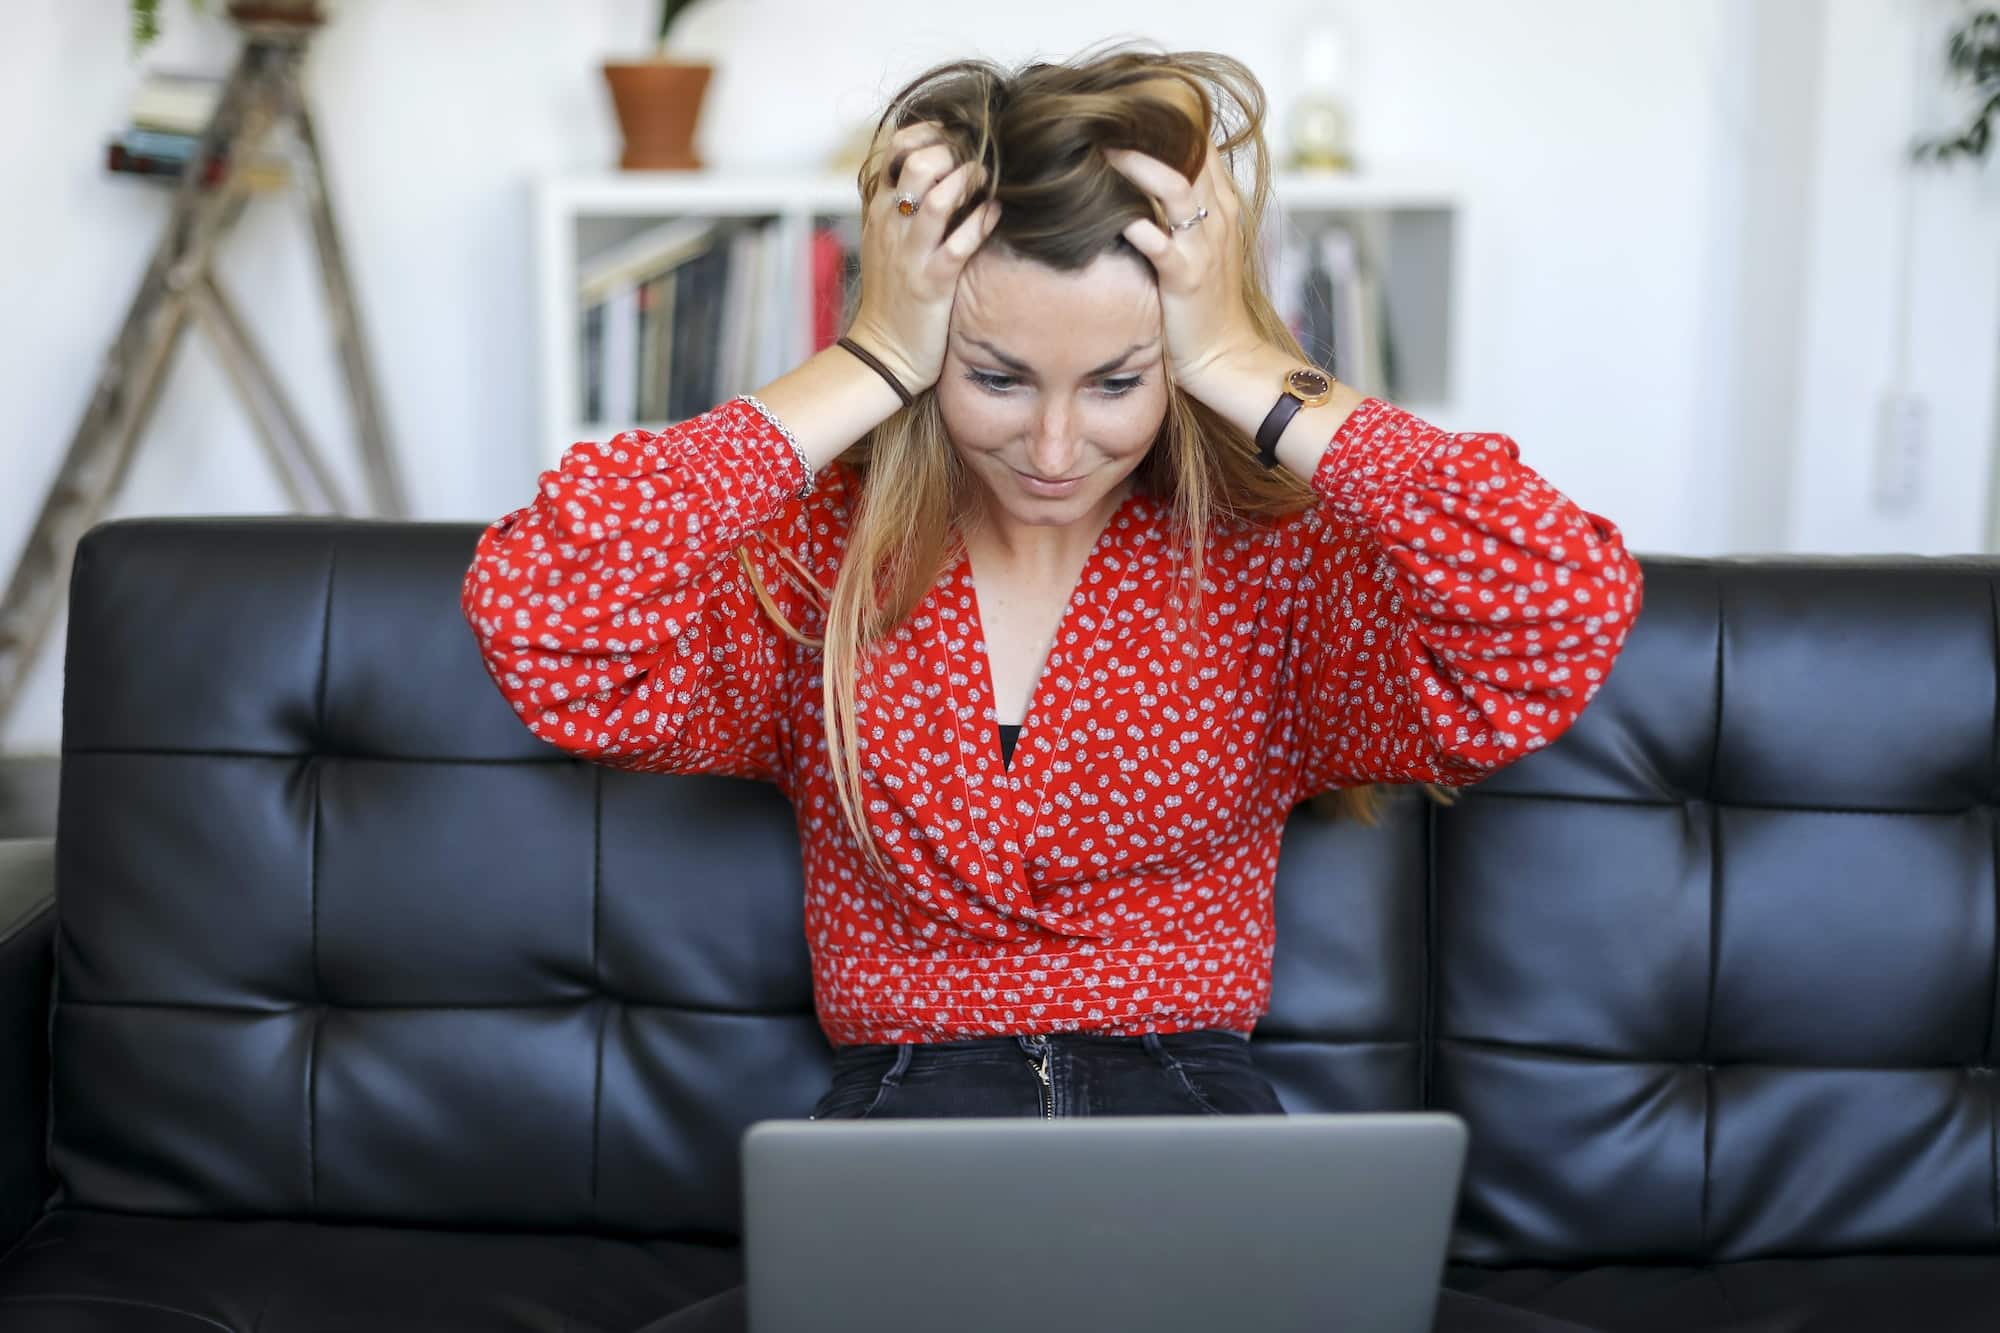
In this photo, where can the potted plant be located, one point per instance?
(1974, 55)
(146, 15)
(658, 102)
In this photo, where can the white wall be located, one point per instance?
(1678, 294)
(1902, 291)
(1761, 130)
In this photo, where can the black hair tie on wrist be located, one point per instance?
(868, 359)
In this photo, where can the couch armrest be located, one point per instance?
(27, 958)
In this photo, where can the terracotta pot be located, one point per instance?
(658, 103)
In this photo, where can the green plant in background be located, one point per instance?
(146, 22)
(669, 11)
(1974, 52)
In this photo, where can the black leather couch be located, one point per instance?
(372, 1012)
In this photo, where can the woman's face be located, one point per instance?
(1056, 376)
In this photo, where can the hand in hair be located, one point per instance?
(909, 266)
(1199, 268)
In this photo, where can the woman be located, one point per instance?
(1045, 596)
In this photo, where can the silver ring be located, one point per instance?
(1185, 223)
(907, 205)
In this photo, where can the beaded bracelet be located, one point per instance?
(805, 464)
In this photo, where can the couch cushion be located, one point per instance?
(1714, 976)
(1843, 1294)
(91, 1272)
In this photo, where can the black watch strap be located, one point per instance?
(1280, 416)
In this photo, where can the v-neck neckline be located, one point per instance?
(1027, 764)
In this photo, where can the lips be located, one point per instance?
(1040, 486)
(1035, 485)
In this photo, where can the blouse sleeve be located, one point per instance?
(611, 610)
(1453, 611)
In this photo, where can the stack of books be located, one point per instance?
(1329, 293)
(169, 115)
(678, 318)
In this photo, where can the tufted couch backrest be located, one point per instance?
(1713, 977)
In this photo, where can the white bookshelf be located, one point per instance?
(1411, 228)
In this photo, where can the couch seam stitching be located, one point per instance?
(600, 1001)
(312, 885)
(568, 1002)
(1427, 1023)
(1714, 899)
(1993, 975)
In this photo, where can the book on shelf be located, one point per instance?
(1359, 327)
(656, 250)
(655, 314)
(1330, 296)
(737, 354)
(119, 158)
(676, 319)
(160, 143)
(829, 263)
(619, 376)
(174, 103)
(696, 332)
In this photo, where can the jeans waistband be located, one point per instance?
(1220, 1041)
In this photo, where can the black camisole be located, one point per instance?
(1007, 735)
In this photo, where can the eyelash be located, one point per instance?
(1001, 383)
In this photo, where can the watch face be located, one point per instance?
(1308, 383)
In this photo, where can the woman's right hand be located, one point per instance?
(909, 266)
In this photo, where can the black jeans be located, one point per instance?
(1069, 1074)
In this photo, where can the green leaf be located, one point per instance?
(669, 11)
(146, 21)
(145, 24)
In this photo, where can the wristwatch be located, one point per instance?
(1305, 386)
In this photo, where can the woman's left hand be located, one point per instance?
(1199, 268)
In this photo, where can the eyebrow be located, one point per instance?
(1022, 367)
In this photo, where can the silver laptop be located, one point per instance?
(1164, 1223)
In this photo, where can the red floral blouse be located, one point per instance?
(1441, 613)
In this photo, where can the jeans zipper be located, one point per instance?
(1048, 1090)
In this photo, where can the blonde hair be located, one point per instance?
(1038, 130)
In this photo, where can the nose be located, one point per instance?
(1052, 448)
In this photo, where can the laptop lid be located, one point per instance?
(1166, 1223)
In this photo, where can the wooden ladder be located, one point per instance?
(261, 95)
